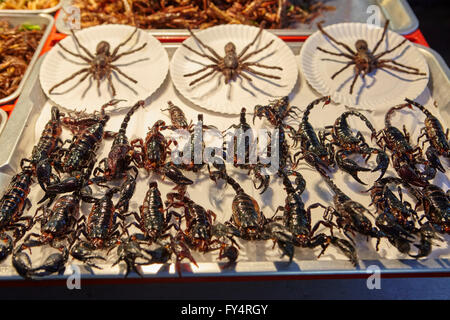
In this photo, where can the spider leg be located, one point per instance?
(215, 54)
(378, 56)
(382, 37)
(262, 65)
(319, 25)
(248, 69)
(111, 84)
(128, 52)
(81, 46)
(345, 67)
(248, 55)
(202, 77)
(201, 54)
(385, 66)
(73, 53)
(201, 70)
(116, 49)
(354, 80)
(123, 74)
(68, 78)
(335, 53)
(251, 43)
(397, 64)
(244, 75)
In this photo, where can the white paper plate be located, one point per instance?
(381, 88)
(212, 93)
(148, 66)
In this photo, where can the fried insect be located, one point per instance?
(343, 137)
(233, 64)
(435, 135)
(100, 63)
(366, 60)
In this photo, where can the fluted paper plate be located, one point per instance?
(212, 93)
(381, 88)
(148, 66)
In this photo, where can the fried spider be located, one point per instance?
(100, 63)
(366, 60)
(232, 64)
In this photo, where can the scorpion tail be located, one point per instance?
(22, 263)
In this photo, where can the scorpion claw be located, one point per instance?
(382, 164)
(229, 252)
(54, 263)
(22, 263)
(175, 174)
(6, 246)
(347, 249)
(43, 172)
(432, 157)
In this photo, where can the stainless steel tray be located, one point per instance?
(18, 19)
(39, 11)
(402, 18)
(18, 138)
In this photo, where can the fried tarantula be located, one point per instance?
(100, 63)
(232, 64)
(366, 61)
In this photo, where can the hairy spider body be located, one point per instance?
(232, 65)
(366, 60)
(100, 64)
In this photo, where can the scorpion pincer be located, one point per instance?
(249, 223)
(100, 229)
(297, 219)
(48, 143)
(342, 137)
(312, 148)
(435, 135)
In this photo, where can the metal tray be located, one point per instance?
(19, 137)
(48, 10)
(403, 19)
(18, 19)
(3, 120)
